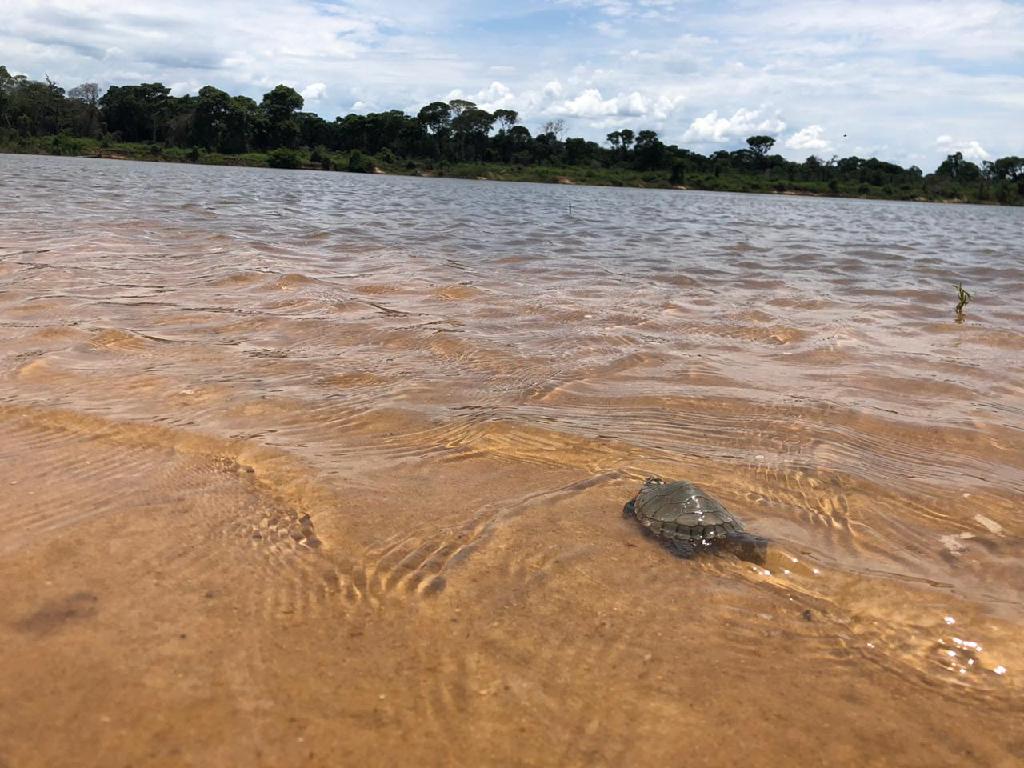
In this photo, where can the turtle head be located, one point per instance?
(746, 546)
(630, 509)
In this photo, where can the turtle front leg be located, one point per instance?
(682, 548)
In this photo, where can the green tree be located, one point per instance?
(812, 168)
(360, 163)
(554, 128)
(243, 123)
(621, 142)
(1007, 168)
(628, 137)
(279, 107)
(32, 107)
(284, 157)
(436, 119)
(956, 168)
(649, 152)
(87, 93)
(210, 124)
(136, 112)
(760, 146)
(506, 118)
(580, 151)
(472, 127)
(6, 88)
(458, 106)
(83, 114)
(517, 144)
(154, 98)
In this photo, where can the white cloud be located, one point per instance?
(665, 105)
(314, 91)
(495, 96)
(590, 104)
(712, 129)
(974, 29)
(809, 139)
(971, 150)
(553, 89)
(618, 9)
(241, 47)
(633, 104)
(891, 74)
(608, 29)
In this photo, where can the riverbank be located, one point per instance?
(598, 176)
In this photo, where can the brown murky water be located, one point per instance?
(322, 469)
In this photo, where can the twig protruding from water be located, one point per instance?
(963, 299)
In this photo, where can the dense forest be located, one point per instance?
(454, 138)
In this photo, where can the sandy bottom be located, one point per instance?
(171, 612)
(407, 591)
(255, 511)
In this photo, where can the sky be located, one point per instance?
(909, 81)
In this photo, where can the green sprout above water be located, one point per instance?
(963, 299)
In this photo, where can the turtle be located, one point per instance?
(690, 521)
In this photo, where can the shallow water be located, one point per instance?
(329, 469)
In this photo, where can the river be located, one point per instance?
(328, 469)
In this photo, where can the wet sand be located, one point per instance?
(317, 469)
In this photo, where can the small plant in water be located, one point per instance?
(963, 299)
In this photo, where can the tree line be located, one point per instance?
(452, 134)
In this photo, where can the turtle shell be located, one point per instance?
(682, 513)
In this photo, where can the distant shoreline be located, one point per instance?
(456, 138)
(566, 175)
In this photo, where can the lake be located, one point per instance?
(323, 468)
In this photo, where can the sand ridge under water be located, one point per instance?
(326, 469)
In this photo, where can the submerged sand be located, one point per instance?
(325, 470)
